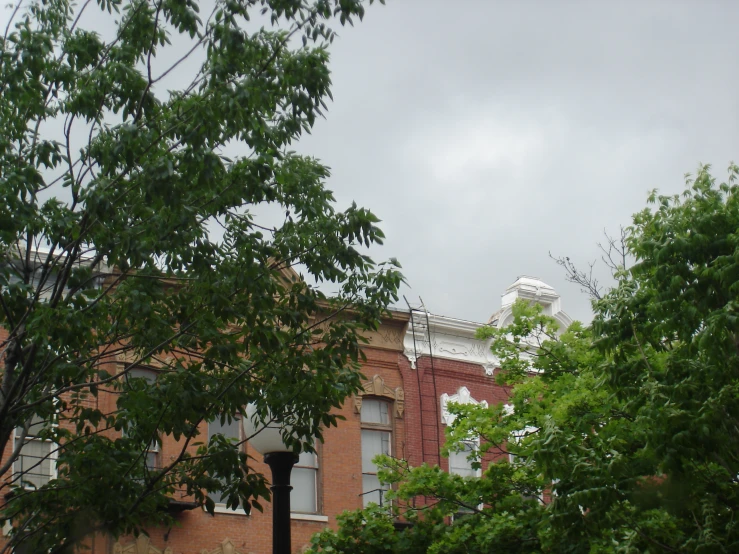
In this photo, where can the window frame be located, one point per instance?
(220, 507)
(155, 446)
(317, 488)
(474, 442)
(389, 429)
(513, 459)
(51, 456)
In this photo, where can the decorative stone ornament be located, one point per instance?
(463, 396)
(377, 387)
(410, 353)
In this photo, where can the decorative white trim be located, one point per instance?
(450, 338)
(308, 517)
(463, 396)
(536, 291)
(410, 354)
(455, 339)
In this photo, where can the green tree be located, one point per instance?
(126, 233)
(670, 329)
(629, 427)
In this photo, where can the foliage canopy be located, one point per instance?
(627, 428)
(129, 238)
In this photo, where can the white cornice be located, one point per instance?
(454, 339)
(450, 338)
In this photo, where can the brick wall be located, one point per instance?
(424, 387)
(340, 473)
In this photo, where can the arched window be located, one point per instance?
(459, 464)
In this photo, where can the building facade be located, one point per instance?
(416, 363)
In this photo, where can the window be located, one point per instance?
(230, 430)
(152, 456)
(377, 435)
(36, 463)
(150, 377)
(304, 479)
(516, 438)
(459, 464)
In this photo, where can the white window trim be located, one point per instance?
(462, 396)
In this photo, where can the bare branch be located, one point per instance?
(585, 279)
(614, 252)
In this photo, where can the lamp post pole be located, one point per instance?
(281, 464)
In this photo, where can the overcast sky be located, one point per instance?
(486, 134)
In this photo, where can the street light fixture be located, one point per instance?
(266, 438)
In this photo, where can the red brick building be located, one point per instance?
(415, 364)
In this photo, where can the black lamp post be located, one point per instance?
(281, 464)
(267, 439)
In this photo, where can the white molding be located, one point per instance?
(454, 339)
(451, 339)
(462, 396)
(411, 355)
(308, 517)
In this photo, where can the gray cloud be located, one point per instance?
(486, 134)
